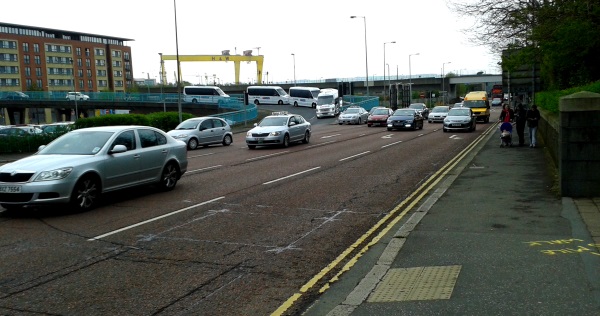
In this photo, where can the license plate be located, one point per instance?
(456, 124)
(260, 140)
(10, 189)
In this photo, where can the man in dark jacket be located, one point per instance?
(521, 118)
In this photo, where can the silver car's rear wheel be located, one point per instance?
(306, 137)
(169, 177)
(227, 140)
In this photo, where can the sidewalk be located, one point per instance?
(493, 239)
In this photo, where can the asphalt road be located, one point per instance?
(242, 232)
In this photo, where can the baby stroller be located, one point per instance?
(506, 134)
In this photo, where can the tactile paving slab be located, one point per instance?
(415, 284)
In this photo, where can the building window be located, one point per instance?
(28, 83)
(38, 60)
(81, 84)
(126, 55)
(116, 63)
(80, 72)
(88, 63)
(8, 44)
(26, 47)
(28, 71)
(118, 73)
(9, 57)
(116, 53)
(102, 83)
(78, 51)
(38, 71)
(87, 52)
(90, 84)
(100, 62)
(79, 62)
(89, 72)
(99, 52)
(39, 83)
(118, 83)
(36, 48)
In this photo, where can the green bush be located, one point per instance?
(548, 100)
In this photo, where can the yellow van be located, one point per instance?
(479, 104)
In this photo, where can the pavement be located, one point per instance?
(492, 238)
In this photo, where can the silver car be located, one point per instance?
(279, 129)
(78, 167)
(438, 113)
(203, 131)
(353, 115)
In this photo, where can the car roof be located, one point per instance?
(114, 128)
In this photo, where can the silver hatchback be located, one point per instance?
(78, 167)
(203, 131)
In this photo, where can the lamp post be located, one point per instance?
(178, 66)
(393, 42)
(443, 75)
(294, 56)
(366, 58)
(75, 90)
(410, 77)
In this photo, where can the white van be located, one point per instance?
(267, 95)
(328, 103)
(203, 94)
(304, 96)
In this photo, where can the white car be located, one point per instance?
(77, 96)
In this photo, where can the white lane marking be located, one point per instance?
(392, 144)
(204, 169)
(292, 175)
(265, 156)
(207, 154)
(387, 136)
(363, 153)
(321, 144)
(420, 135)
(329, 136)
(153, 219)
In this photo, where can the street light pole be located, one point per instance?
(393, 42)
(294, 56)
(366, 58)
(443, 75)
(410, 77)
(178, 66)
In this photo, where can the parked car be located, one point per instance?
(459, 119)
(379, 116)
(438, 113)
(422, 108)
(279, 129)
(14, 131)
(405, 118)
(78, 167)
(203, 131)
(77, 96)
(353, 115)
(57, 128)
(16, 95)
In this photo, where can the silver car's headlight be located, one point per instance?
(180, 136)
(249, 134)
(275, 133)
(54, 174)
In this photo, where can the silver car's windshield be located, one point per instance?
(440, 109)
(274, 121)
(351, 111)
(459, 112)
(192, 124)
(77, 143)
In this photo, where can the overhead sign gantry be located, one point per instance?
(236, 59)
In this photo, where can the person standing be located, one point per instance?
(507, 114)
(533, 117)
(521, 119)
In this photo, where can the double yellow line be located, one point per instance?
(416, 197)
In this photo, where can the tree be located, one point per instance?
(561, 36)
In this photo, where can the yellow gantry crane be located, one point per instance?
(236, 59)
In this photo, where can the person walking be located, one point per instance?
(533, 117)
(521, 119)
(507, 114)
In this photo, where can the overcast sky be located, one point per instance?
(326, 42)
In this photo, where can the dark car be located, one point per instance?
(422, 108)
(378, 116)
(405, 118)
(16, 95)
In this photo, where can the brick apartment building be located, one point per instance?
(37, 58)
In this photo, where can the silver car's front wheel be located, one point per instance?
(85, 194)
